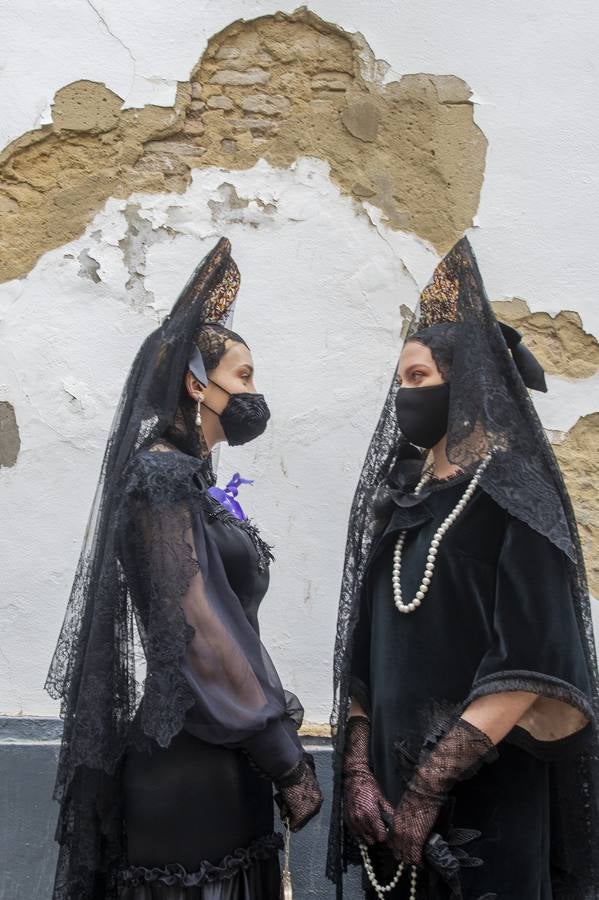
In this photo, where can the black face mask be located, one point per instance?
(422, 413)
(244, 417)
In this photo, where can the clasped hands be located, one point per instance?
(371, 818)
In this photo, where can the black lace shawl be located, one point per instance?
(121, 621)
(490, 410)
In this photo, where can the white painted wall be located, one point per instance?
(322, 284)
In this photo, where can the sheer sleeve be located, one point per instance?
(536, 644)
(207, 669)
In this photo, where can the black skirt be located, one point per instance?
(198, 825)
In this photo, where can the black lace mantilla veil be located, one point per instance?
(490, 410)
(93, 671)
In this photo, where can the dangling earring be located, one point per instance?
(199, 414)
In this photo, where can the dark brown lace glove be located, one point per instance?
(365, 804)
(456, 756)
(299, 797)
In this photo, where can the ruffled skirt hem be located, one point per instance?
(249, 873)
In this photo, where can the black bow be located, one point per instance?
(530, 369)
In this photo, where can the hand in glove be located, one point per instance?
(365, 804)
(299, 797)
(455, 757)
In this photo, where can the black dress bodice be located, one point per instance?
(248, 579)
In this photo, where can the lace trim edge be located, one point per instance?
(173, 874)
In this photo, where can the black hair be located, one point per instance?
(440, 340)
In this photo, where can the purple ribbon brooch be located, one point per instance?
(228, 496)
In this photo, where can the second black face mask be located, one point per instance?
(422, 413)
(244, 417)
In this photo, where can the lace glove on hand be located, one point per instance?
(299, 797)
(455, 757)
(365, 805)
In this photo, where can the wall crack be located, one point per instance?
(115, 37)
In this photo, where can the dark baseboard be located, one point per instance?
(28, 756)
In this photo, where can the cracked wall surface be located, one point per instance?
(560, 342)
(579, 459)
(10, 442)
(287, 85)
(52, 181)
(276, 88)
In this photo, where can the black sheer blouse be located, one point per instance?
(197, 576)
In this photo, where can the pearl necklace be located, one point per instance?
(382, 889)
(434, 547)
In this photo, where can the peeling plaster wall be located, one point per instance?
(274, 88)
(341, 150)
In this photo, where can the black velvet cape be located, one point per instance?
(498, 616)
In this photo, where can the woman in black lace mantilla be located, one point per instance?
(466, 761)
(166, 782)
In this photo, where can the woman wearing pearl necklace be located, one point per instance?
(465, 671)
